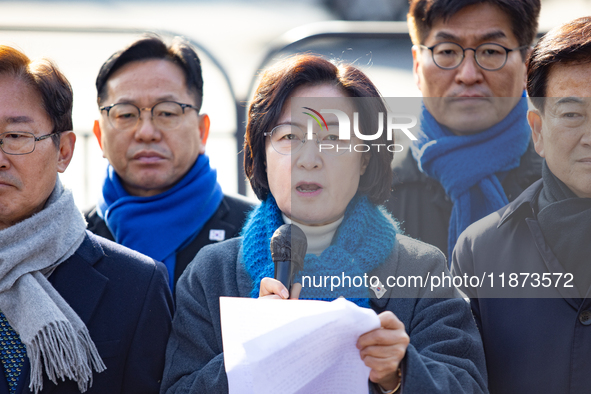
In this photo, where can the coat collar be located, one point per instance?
(221, 213)
(527, 199)
(77, 280)
(525, 208)
(406, 170)
(530, 164)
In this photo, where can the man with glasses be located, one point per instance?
(473, 153)
(160, 196)
(77, 313)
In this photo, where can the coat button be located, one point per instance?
(585, 318)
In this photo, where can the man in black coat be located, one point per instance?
(473, 154)
(160, 196)
(534, 309)
(78, 313)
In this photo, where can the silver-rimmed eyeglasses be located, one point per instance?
(166, 115)
(20, 142)
(489, 56)
(287, 139)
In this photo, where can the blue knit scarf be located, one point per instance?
(160, 225)
(364, 240)
(469, 166)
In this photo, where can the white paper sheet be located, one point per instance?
(294, 346)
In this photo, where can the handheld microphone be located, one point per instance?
(288, 249)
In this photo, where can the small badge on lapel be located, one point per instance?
(217, 235)
(379, 290)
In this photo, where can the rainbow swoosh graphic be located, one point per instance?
(315, 118)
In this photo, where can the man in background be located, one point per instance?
(473, 154)
(536, 325)
(78, 313)
(160, 196)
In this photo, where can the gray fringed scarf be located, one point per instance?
(52, 332)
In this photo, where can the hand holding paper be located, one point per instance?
(382, 350)
(294, 347)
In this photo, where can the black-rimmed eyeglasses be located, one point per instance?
(166, 115)
(489, 56)
(20, 142)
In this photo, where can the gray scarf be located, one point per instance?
(53, 334)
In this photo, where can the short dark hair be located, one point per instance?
(569, 43)
(152, 47)
(524, 15)
(43, 76)
(275, 87)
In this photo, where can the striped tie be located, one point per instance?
(13, 353)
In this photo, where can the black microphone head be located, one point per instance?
(289, 243)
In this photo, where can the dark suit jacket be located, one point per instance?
(124, 300)
(229, 217)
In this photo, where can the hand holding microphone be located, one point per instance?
(288, 250)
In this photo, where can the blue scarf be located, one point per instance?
(160, 225)
(469, 166)
(364, 240)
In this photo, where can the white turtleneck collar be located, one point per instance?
(319, 237)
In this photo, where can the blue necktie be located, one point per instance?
(12, 353)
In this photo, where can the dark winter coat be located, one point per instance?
(124, 300)
(532, 345)
(444, 356)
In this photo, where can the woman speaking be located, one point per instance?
(331, 188)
